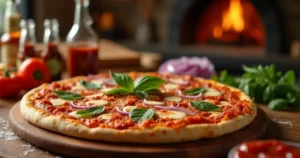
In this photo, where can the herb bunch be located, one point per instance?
(266, 85)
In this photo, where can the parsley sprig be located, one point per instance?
(266, 85)
(140, 87)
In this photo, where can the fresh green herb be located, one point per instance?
(205, 106)
(194, 91)
(68, 95)
(266, 85)
(140, 87)
(278, 104)
(90, 85)
(92, 111)
(140, 114)
(141, 94)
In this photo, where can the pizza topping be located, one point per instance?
(78, 87)
(77, 106)
(125, 113)
(90, 85)
(194, 91)
(68, 95)
(106, 89)
(149, 102)
(171, 114)
(171, 86)
(128, 108)
(106, 116)
(188, 96)
(57, 102)
(97, 102)
(175, 109)
(141, 114)
(92, 111)
(212, 92)
(204, 106)
(75, 115)
(173, 98)
(178, 81)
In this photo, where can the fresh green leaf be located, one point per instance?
(92, 111)
(194, 91)
(288, 78)
(90, 85)
(226, 79)
(120, 90)
(68, 95)
(140, 114)
(204, 106)
(147, 83)
(123, 81)
(278, 104)
(269, 93)
(250, 69)
(141, 94)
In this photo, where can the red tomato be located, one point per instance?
(34, 72)
(10, 85)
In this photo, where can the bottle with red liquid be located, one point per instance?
(82, 43)
(50, 52)
(27, 41)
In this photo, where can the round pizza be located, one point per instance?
(138, 107)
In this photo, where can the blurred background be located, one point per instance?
(228, 32)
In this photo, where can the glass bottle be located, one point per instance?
(27, 41)
(82, 43)
(10, 39)
(50, 52)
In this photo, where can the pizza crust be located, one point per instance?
(159, 134)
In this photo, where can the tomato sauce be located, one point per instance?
(82, 61)
(266, 149)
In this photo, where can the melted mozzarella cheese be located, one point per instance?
(57, 102)
(128, 108)
(97, 82)
(106, 116)
(171, 114)
(106, 89)
(212, 92)
(215, 114)
(75, 115)
(171, 86)
(78, 86)
(153, 102)
(177, 81)
(225, 103)
(173, 98)
(94, 95)
(97, 102)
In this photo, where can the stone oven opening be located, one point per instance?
(232, 22)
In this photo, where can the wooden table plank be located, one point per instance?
(283, 126)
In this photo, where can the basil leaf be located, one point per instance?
(92, 111)
(140, 114)
(123, 81)
(68, 95)
(278, 104)
(141, 94)
(288, 78)
(147, 83)
(194, 91)
(120, 90)
(90, 85)
(205, 106)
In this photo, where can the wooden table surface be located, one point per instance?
(283, 126)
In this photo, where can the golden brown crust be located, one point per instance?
(159, 134)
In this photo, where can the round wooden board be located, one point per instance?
(66, 145)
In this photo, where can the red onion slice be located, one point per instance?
(188, 96)
(122, 112)
(81, 107)
(175, 109)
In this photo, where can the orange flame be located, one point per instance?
(232, 19)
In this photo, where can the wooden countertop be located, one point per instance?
(282, 126)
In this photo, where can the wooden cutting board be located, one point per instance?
(70, 146)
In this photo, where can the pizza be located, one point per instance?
(138, 107)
